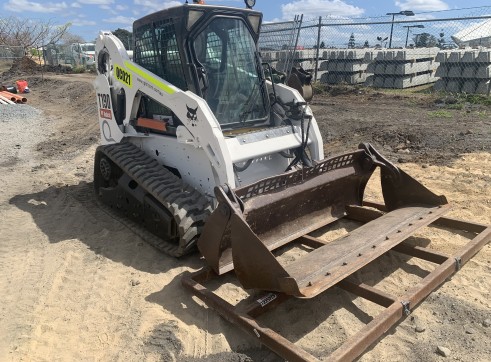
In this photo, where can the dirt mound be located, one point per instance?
(406, 127)
(58, 69)
(20, 67)
(78, 101)
(24, 64)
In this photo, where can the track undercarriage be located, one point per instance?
(132, 183)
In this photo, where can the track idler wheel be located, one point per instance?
(105, 168)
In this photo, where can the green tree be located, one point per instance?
(441, 40)
(323, 45)
(425, 40)
(366, 45)
(351, 41)
(125, 36)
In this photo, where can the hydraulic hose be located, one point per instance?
(244, 167)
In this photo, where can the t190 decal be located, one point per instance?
(104, 101)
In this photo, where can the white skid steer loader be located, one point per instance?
(202, 150)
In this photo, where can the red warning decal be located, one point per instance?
(105, 113)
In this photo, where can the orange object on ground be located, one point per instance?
(155, 124)
(14, 97)
(21, 85)
(5, 99)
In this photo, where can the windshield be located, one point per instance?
(88, 48)
(226, 51)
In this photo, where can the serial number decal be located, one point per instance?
(266, 299)
(104, 101)
(123, 75)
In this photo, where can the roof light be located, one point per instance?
(250, 3)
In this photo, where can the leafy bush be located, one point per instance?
(79, 69)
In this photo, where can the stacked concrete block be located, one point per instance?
(344, 66)
(404, 68)
(270, 57)
(280, 59)
(464, 70)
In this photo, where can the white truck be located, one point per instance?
(83, 54)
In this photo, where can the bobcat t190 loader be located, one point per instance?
(202, 150)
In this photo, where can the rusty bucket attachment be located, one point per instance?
(250, 222)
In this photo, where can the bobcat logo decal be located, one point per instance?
(192, 117)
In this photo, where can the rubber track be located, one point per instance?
(188, 206)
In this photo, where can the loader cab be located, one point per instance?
(212, 52)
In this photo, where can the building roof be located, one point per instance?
(474, 32)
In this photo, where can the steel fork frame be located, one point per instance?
(397, 308)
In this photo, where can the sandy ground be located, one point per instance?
(76, 284)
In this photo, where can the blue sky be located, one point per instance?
(90, 16)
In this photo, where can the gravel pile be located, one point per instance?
(23, 127)
(17, 112)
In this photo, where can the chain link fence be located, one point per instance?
(449, 50)
(8, 54)
(76, 55)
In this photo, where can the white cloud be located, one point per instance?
(120, 20)
(76, 5)
(419, 17)
(25, 5)
(454, 26)
(121, 7)
(422, 5)
(156, 5)
(96, 2)
(311, 8)
(80, 22)
(275, 20)
(105, 7)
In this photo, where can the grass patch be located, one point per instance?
(319, 88)
(457, 106)
(79, 69)
(475, 99)
(440, 114)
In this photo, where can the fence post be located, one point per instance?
(317, 48)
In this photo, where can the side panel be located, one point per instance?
(110, 131)
(192, 163)
(260, 168)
